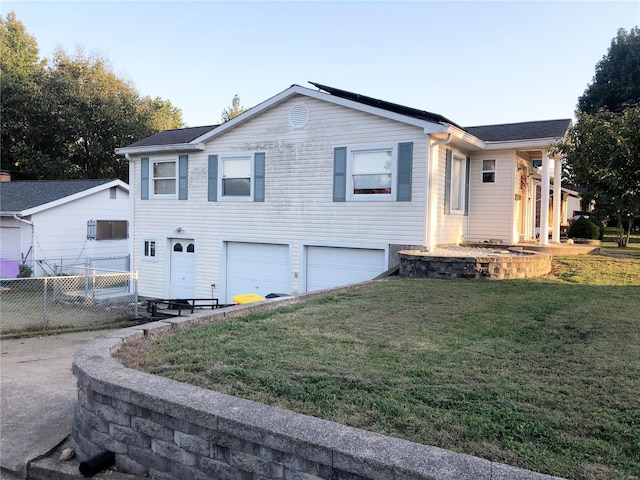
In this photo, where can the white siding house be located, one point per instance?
(47, 224)
(306, 191)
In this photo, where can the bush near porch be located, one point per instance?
(542, 374)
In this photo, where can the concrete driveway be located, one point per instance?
(37, 393)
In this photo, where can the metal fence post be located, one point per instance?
(44, 309)
(134, 276)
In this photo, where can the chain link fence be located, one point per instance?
(83, 299)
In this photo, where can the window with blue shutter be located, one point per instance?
(339, 174)
(183, 177)
(447, 182)
(213, 179)
(405, 167)
(144, 178)
(258, 177)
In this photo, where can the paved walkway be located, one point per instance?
(37, 393)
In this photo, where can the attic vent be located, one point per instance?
(298, 115)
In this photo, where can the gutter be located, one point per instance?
(175, 147)
(429, 240)
(19, 218)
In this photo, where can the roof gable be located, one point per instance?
(31, 196)
(175, 136)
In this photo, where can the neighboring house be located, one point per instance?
(48, 223)
(314, 189)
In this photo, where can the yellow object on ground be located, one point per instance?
(247, 298)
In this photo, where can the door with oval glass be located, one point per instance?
(183, 268)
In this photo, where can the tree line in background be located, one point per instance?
(62, 119)
(602, 150)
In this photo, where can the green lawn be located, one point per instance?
(541, 373)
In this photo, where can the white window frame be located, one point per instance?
(230, 156)
(376, 197)
(152, 179)
(483, 171)
(149, 256)
(461, 183)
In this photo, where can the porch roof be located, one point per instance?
(521, 131)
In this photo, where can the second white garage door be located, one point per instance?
(329, 267)
(260, 268)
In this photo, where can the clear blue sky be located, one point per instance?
(476, 62)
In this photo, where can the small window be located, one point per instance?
(236, 179)
(488, 171)
(113, 193)
(458, 172)
(149, 248)
(164, 178)
(177, 247)
(372, 172)
(109, 230)
(191, 248)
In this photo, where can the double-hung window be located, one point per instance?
(236, 179)
(456, 183)
(489, 171)
(371, 173)
(164, 175)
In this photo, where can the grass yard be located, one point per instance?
(540, 373)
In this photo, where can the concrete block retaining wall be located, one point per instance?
(498, 267)
(172, 430)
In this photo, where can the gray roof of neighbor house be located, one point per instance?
(17, 196)
(521, 131)
(171, 137)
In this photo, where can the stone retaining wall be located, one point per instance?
(494, 267)
(172, 430)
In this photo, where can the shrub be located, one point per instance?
(584, 228)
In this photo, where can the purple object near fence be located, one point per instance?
(9, 268)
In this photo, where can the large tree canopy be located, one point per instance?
(602, 153)
(616, 83)
(65, 120)
(602, 150)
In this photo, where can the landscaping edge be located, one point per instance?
(172, 430)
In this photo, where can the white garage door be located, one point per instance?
(10, 243)
(261, 268)
(329, 267)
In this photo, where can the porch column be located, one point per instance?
(557, 199)
(544, 200)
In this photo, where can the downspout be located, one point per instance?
(131, 212)
(33, 236)
(429, 241)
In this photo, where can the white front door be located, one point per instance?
(182, 269)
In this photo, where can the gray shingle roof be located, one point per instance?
(521, 131)
(22, 195)
(171, 137)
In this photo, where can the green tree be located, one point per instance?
(616, 83)
(22, 73)
(64, 120)
(234, 110)
(602, 153)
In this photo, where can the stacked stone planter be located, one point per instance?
(172, 430)
(517, 264)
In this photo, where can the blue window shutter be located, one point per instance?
(258, 177)
(339, 174)
(91, 229)
(447, 183)
(213, 178)
(144, 178)
(405, 162)
(466, 186)
(183, 177)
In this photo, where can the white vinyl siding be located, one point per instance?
(490, 219)
(298, 204)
